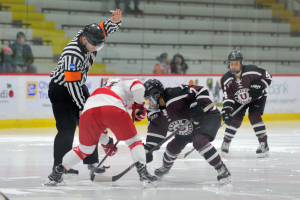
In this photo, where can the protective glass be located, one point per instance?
(95, 48)
(151, 104)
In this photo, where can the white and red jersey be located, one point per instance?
(121, 95)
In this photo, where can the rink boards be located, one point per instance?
(24, 100)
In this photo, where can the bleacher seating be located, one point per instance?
(191, 12)
(203, 31)
(10, 33)
(232, 3)
(265, 30)
(5, 16)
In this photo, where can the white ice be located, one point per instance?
(26, 161)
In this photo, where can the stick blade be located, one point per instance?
(181, 156)
(101, 178)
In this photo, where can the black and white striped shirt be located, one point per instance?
(75, 63)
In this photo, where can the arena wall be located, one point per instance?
(24, 100)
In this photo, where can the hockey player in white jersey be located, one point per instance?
(107, 108)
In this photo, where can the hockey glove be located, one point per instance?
(256, 89)
(227, 116)
(109, 149)
(85, 91)
(197, 112)
(138, 112)
(149, 156)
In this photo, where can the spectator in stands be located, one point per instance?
(163, 65)
(22, 55)
(178, 65)
(128, 9)
(7, 64)
(2, 67)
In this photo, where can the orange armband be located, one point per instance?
(72, 76)
(102, 27)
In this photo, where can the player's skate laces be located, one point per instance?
(263, 150)
(146, 178)
(224, 174)
(160, 172)
(56, 176)
(225, 148)
(92, 168)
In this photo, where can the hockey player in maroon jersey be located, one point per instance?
(169, 109)
(239, 84)
(107, 108)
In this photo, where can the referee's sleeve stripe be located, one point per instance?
(65, 63)
(76, 97)
(79, 94)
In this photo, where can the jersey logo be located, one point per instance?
(152, 117)
(242, 95)
(228, 84)
(72, 66)
(178, 123)
(239, 82)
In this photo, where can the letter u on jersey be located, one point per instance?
(244, 96)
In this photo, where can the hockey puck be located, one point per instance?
(106, 166)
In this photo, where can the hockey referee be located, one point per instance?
(67, 91)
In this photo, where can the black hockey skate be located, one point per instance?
(56, 176)
(225, 148)
(263, 150)
(71, 172)
(224, 175)
(160, 172)
(147, 179)
(99, 170)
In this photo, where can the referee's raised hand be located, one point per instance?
(117, 16)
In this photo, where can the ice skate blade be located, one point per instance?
(224, 154)
(225, 180)
(180, 156)
(149, 184)
(263, 155)
(53, 183)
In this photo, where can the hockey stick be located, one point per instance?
(100, 178)
(182, 156)
(104, 159)
(4, 197)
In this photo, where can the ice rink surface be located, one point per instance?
(26, 161)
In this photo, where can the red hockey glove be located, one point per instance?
(138, 112)
(142, 114)
(109, 149)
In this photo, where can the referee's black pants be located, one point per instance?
(66, 115)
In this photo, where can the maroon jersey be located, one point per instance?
(176, 112)
(235, 91)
